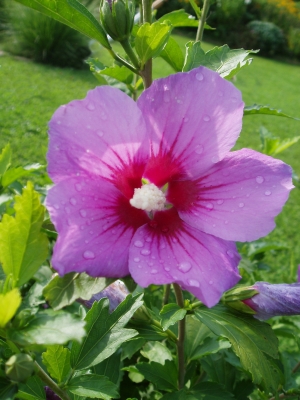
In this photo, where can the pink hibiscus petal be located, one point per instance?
(194, 119)
(95, 224)
(99, 135)
(200, 263)
(238, 198)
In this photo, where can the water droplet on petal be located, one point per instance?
(138, 243)
(259, 179)
(73, 201)
(220, 201)
(215, 159)
(230, 253)
(82, 213)
(199, 149)
(209, 206)
(211, 282)
(241, 205)
(206, 118)
(185, 119)
(166, 96)
(145, 252)
(167, 269)
(103, 116)
(268, 192)
(226, 222)
(149, 239)
(162, 246)
(91, 106)
(100, 133)
(179, 101)
(56, 206)
(153, 271)
(78, 187)
(184, 267)
(193, 283)
(220, 94)
(199, 77)
(174, 240)
(136, 259)
(88, 255)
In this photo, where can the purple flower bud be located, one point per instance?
(50, 395)
(116, 293)
(275, 300)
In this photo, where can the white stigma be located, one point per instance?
(148, 198)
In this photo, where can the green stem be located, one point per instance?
(170, 334)
(50, 383)
(122, 61)
(196, 304)
(167, 289)
(202, 21)
(131, 54)
(147, 17)
(181, 335)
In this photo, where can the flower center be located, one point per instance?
(148, 198)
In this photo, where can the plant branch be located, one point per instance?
(181, 335)
(167, 289)
(131, 54)
(50, 383)
(202, 21)
(296, 367)
(146, 74)
(124, 62)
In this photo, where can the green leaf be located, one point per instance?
(164, 377)
(122, 73)
(179, 18)
(210, 346)
(63, 291)
(23, 247)
(151, 39)
(14, 174)
(170, 314)
(94, 386)
(172, 54)
(5, 159)
(265, 110)
(220, 59)
(134, 374)
(33, 389)
(7, 389)
(155, 351)
(202, 391)
(253, 342)
(111, 367)
(49, 327)
(195, 334)
(9, 304)
(131, 347)
(105, 332)
(57, 361)
(73, 14)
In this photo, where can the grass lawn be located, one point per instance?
(30, 93)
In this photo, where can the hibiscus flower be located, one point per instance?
(150, 188)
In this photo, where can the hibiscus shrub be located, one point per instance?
(124, 285)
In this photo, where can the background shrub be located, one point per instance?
(44, 39)
(265, 36)
(294, 41)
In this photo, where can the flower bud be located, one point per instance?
(117, 18)
(50, 395)
(19, 367)
(274, 300)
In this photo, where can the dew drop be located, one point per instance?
(144, 252)
(86, 241)
(209, 206)
(211, 282)
(226, 222)
(138, 243)
(91, 106)
(149, 239)
(199, 149)
(103, 116)
(162, 246)
(88, 255)
(82, 213)
(73, 201)
(193, 283)
(230, 253)
(184, 267)
(259, 179)
(67, 210)
(136, 259)
(58, 122)
(206, 118)
(241, 205)
(179, 101)
(174, 240)
(220, 202)
(215, 159)
(221, 94)
(100, 133)
(78, 187)
(167, 269)
(166, 96)
(153, 271)
(268, 192)
(56, 206)
(199, 77)
(185, 119)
